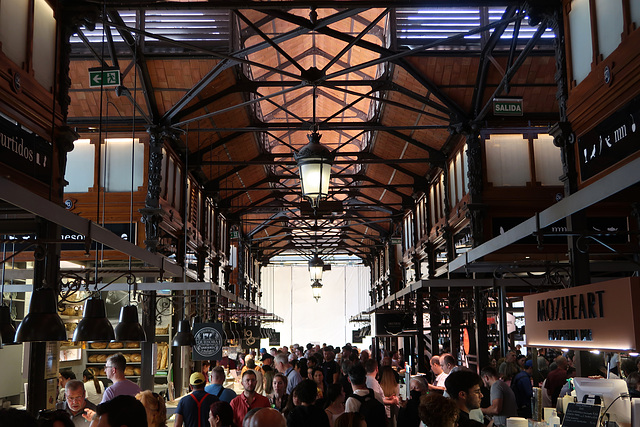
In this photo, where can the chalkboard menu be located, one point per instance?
(581, 415)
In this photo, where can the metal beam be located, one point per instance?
(607, 186)
(18, 196)
(513, 68)
(141, 63)
(481, 80)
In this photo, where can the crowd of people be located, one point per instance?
(324, 387)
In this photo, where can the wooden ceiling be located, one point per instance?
(240, 83)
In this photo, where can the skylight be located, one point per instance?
(416, 26)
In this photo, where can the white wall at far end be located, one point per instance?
(287, 293)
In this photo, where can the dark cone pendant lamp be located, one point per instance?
(43, 322)
(94, 325)
(129, 329)
(183, 337)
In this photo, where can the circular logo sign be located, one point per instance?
(208, 342)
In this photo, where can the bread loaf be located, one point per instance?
(162, 331)
(128, 370)
(99, 345)
(102, 358)
(165, 357)
(136, 357)
(136, 371)
(93, 358)
(127, 357)
(132, 345)
(115, 345)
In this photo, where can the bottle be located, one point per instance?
(554, 420)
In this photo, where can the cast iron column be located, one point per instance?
(152, 213)
(149, 326)
(46, 267)
(481, 332)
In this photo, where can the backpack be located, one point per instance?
(372, 410)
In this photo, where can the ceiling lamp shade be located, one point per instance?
(316, 266)
(316, 288)
(314, 163)
(94, 325)
(7, 330)
(129, 329)
(183, 337)
(43, 322)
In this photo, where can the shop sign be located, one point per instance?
(392, 324)
(72, 240)
(613, 140)
(250, 337)
(99, 77)
(356, 337)
(595, 316)
(209, 339)
(25, 151)
(71, 237)
(610, 230)
(274, 339)
(507, 107)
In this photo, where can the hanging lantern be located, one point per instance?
(316, 289)
(314, 164)
(316, 266)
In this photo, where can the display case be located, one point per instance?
(163, 357)
(97, 354)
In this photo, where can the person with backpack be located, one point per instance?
(523, 389)
(193, 409)
(307, 414)
(363, 399)
(216, 387)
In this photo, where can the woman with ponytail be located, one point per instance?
(93, 386)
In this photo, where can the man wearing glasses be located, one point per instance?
(114, 369)
(75, 403)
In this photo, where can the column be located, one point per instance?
(149, 326)
(152, 213)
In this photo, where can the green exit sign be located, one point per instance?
(104, 77)
(507, 106)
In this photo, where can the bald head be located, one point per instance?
(267, 417)
(561, 361)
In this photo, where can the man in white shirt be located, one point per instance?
(371, 366)
(438, 384)
(357, 377)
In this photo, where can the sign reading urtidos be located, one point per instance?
(572, 307)
(25, 151)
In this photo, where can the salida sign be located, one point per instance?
(507, 106)
(25, 151)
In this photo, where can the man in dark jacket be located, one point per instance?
(522, 388)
